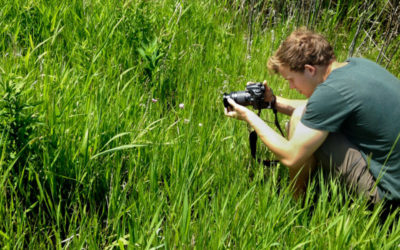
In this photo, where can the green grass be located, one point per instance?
(97, 153)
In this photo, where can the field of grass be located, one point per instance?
(113, 133)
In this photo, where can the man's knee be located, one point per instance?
(342, 159)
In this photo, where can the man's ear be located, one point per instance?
(310, 70)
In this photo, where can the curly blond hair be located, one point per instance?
(302, 47)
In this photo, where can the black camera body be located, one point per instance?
(253, 95)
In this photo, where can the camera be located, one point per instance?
(253, 95)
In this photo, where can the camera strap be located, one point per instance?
(277, 122)
(253, 138)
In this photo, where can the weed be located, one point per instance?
(113, 134)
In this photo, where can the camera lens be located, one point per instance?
(242, 97)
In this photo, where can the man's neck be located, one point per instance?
(331, 67)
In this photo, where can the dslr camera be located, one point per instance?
(253, 95)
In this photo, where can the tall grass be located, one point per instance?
(97, 152)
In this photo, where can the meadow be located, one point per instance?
(113, 134)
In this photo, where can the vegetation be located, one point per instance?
(113, 133)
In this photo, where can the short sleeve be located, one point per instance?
(326, 109)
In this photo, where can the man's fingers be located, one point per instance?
(229, 113)
(266, 84)
(226, 111)
(230, 110)
(232, 102)
(248, 83)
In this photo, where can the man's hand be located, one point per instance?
(236, 111)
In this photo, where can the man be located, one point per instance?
(349, 124)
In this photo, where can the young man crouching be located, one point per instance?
(348, 124)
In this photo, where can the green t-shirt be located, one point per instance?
(362, 101)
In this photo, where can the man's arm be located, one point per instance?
(294, 152)
(287, 106)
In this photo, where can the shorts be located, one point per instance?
(342, 159)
